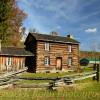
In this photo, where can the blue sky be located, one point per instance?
(81, 18)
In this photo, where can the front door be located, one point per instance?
(59, 63)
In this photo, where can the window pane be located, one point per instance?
(46, 61)
(47, 46)
(69, 61)
(69, 48)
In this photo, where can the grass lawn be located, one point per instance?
(81, 90)
(44, 75)
(86, 91)
(47, 75)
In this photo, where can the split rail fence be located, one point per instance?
(10, 78)
(68, 79)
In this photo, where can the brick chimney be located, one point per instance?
(70, 36)
(54, 33)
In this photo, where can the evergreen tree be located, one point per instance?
(5, 8)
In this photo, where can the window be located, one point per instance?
(69, 61)
(8, 61)
(69, 48)
(46, 61)
(47, 46)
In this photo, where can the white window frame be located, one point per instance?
(69, 61)
(8, 61)
(47, 46)
(47, 61)
(69, 48)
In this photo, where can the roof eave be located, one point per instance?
(15, 55)
(57, 41)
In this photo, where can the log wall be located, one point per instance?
(10, 63)
(56, 50)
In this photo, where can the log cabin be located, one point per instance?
(52, 53)
(13, 59)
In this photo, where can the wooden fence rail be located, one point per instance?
(94, 74)
(68, 79)
(10, 74)
(9, 78)
(84, 77)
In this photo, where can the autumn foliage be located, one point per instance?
(11, 18)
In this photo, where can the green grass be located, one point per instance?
(82, 90)
(87, 68)
(87, 91)
(45, 75)
(41, 75)
(33, 81)
(49, 75)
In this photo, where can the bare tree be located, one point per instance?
(93, 48)
(33, 30)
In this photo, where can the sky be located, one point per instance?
(81, 18)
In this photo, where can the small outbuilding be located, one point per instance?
(13, 59)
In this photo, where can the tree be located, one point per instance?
(23, 33)
(33, 30)
(5, 8)
(94, 47)
(16, 22)
(11, 20)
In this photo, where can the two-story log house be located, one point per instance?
(52, 52)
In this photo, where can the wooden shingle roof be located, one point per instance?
(12, 51)
(60, 39)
